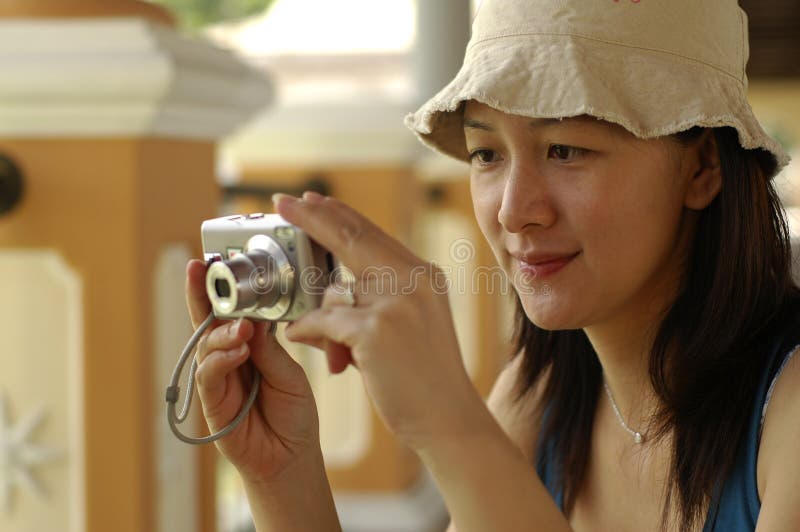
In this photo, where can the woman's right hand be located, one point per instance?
(282, 426)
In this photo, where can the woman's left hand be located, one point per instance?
(399, 333)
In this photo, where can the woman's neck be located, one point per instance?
(623, 346)
(624, 343)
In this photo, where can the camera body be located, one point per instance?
(263, 268)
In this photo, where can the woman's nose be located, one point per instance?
(525, 201)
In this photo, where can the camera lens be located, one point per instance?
(223, 288)
(256, 283)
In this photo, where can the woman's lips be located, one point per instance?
(547, 268)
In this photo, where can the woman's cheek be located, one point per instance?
(486, 207)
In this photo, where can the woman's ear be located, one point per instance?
(704, 171)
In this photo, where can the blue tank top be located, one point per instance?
(736, 506)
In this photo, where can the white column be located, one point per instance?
(443, 29)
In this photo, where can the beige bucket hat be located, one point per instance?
(655, 67)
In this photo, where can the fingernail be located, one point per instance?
(234, 327)
(279, 197)
(313, 197)
(190, 263)
(236, 353)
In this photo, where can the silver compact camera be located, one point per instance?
(261, 267)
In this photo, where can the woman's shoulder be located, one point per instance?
(519, 417)
(778, 467)
(777, 463)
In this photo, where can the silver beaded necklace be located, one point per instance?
(637, 436)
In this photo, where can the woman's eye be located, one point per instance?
(483, 156)
(562, 152)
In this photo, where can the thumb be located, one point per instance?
(274, 363)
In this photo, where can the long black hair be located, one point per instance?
(709, 348)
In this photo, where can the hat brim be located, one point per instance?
(648, 92)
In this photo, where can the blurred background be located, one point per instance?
(124, 124)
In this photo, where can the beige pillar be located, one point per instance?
(113, 119)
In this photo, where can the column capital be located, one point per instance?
(120, 77)
(85, 8)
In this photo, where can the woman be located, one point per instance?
(615, 161)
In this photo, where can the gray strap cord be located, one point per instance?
(173, 391)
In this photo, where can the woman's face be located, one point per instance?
(608, 207)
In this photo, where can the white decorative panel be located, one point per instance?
(41, 400)
(345, 421)
(449, 240)
(176, 496)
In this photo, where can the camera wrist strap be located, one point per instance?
(173, 391)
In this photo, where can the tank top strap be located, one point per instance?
(547, 463)
(771, 388)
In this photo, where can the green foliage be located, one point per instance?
(194, 14)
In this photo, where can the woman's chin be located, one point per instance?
(550, 315)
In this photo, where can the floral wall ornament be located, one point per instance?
(19, 456)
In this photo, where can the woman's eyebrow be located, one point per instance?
(471, 123)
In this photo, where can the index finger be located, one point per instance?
(350, 236)
(196, 299)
